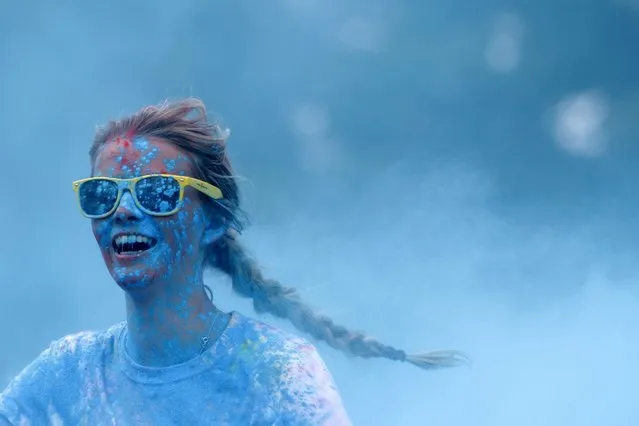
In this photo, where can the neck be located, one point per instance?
(167, 328)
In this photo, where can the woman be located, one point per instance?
(164, 206)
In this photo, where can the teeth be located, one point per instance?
(132, 238)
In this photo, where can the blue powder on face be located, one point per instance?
(169, 164)
(253, 374)
(141, 143)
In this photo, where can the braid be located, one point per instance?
(269, 296)
(205, 143)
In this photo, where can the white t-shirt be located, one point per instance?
(254, 374)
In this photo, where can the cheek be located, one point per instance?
(194, 218)
(101, 232)
(183, 231)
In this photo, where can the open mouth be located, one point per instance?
(132, 244)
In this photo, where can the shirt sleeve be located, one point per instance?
(308, 392)
(22, 403)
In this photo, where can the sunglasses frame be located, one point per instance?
(129, 184)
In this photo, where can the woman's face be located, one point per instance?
(176, 247)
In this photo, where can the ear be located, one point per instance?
(213, 232)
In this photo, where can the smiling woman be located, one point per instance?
(164, 206)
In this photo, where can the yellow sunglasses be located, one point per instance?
(156, 195)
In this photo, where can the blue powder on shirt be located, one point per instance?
(254, 374)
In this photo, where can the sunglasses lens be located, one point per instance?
(158, 194)
(98, 196)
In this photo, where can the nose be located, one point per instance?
(127, 209)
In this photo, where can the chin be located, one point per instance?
(132, 272)
(128, 281)
(133, 279)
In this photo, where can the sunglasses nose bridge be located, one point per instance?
(127, 208)
(126, 187)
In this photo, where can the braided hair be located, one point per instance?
(185, 124)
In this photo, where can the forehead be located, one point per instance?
(130, 157)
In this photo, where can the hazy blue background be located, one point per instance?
(440, 174)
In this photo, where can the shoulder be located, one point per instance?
(83, 344)
(66, 349)
(267, 343)
(27, 395)
(302, 388)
